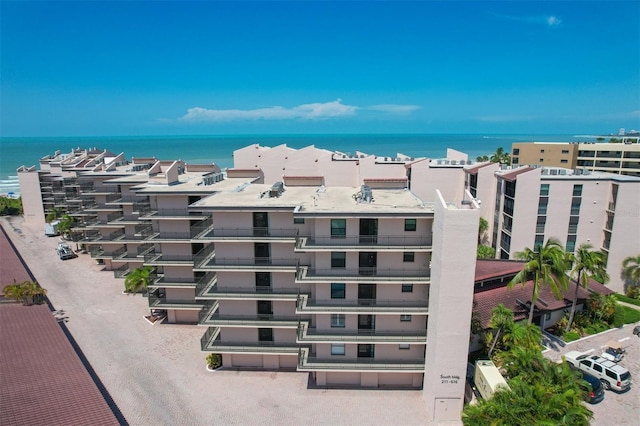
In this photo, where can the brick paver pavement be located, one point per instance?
(156, 374)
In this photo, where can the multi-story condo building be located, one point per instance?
(620, 158)
(532, 204)
(361, 285)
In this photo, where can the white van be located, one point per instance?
(612, 375)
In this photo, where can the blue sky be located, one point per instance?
(159, 68)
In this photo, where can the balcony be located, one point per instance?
(209, 316)
(250, 234)
(156, 302)
(159, 259)
(164, 282)
(101, 253)
(214, 292)
(172, 214)
(305, 305)
(122, 271)
(363, 243)
(248, 263)
(118, 199)
(309, 362)
(369, 274)
(309, 335)
(210, 342)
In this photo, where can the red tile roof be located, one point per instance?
(512, 175)
(473, 170)
(42, 379)
(486, 300)
(491, 269)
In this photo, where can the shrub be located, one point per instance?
(571, 336)
(214, 361)
(633, 295)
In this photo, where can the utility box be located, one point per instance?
(51, 229)
(488, 379)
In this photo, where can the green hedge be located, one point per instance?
(570, 336)
(623, 298)
(625, 315)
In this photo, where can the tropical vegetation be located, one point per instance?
(214, 361)
(66, 223)
(631, 271)
(541, 391)
(500, 156)
(27, 292)
(547, 266)
(54, 214)
(138, 280)
(587, 264)
(10, 206)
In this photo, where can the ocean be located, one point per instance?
(15, 152)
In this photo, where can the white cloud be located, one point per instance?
(394, 108)
(312, 111)
(549, 21)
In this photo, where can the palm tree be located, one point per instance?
(55, 213)
(587, 264)
(548, 266)
(501, 318)
(138, 280)
(631, 269)
(27, 292)
(500, 156)
(65, 225)
(481, 158)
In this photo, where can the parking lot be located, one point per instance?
(616, 408)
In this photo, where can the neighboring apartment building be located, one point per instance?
(532, 204)
(346, 281)
(620, 158)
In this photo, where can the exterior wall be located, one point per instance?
(625, 236)
(31, 197)
(525, 212)
(426, 179)
(486, 195)
(550, 154)
(617, 158)
(450, 302)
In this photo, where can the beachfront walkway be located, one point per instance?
(156, 374)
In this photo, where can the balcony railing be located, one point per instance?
(310, 335)
(164, 259)
(328, 242)
(182, 282)
(248, 263)
(215, 292)
(274, 348)
(306, 305)
(265, 320)
(310, 362)
(305, 273)
(121, 271)
(203, 256)
(249, 233)
(160, 213)
(156, 302)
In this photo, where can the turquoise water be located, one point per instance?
(15, 152)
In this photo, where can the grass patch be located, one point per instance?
(625, 315)
(626, 299)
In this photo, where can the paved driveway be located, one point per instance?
(616, 408)
(156, 374)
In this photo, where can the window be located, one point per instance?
(571, 243)
(337, 291)
(516, 151)
(338, 228)
(514, 160)
(265, 334)
(542, 220)
(408, 256)
(337, 320)
(298, 220)
(598, 368)
(542, 151)
(338, 259)
(544, 189)
(337, 349)
(405, 317)
(577, 190)
(407, 288)
(539, 242)
(575, 206)
(564, 161)
(542, 160)
(543, 202)
(573, 225)
(404, 346)
(410, 225)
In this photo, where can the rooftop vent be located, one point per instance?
(276, 189)
(365, 195)
(212, 178)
